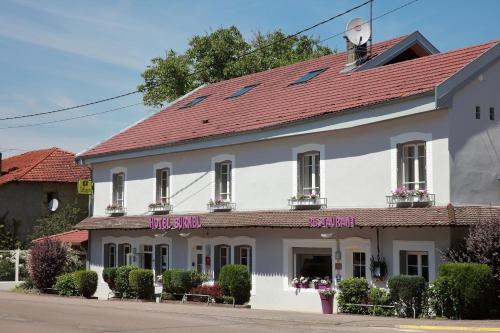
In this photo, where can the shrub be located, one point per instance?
(65, 285)
(215, 291)
(141, 283)
(181, 281)
(109, 276)
(234, 281)
(353, 291)
(407, 294)
(7, 268)
(380, 296)
(465, 290)
(85, 283)
(227, 300)
(46, 260)
(122, 285)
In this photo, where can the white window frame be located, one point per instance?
(227, 256)
(129, 246)
(312, 147)
(223, 158)
(347, 247)
(167, 247)
(416, 164)
(112, 246)
(112, 172)
(419, 255)
(160, 166)
(359, 265)
(410, 137)
(414, 246)
(246, 249)
(229, 168)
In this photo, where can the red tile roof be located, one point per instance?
(73, 237)
(444, 216)
(47, 165)
(275, 102)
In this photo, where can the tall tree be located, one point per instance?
(221, 55)
(60, 221)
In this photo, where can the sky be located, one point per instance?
(56, 54)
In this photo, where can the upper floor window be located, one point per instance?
(162, 185)
(308, 173)
(119, 189)
(412, 173)
(223, 180)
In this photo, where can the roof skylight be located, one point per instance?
(309, 76)
(243, 90)
(194, 102)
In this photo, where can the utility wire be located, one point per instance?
(193, 73)
(374, 19)
(71, 107)
(72, 118)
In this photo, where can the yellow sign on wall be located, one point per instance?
(85, 187)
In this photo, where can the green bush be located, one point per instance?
(380, 296)
(465, 290)
(353, 291)
(141, 283)
(122, 285)
(407, 293)
(235, 281)
(109, 276)
(181, 281)
(65, 285)
(85, 283)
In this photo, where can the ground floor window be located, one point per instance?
(123, 251)
(414, 263)
(243, 256)
(109, 255)
(359, 264)
(312, 262)
(161, 258)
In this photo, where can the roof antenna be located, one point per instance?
(371, 29)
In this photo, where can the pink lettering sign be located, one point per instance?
(332, 222)
(179, 222)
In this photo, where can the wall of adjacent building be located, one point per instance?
(359, 168)
(475, 143)
(27, 201)
(271, 289)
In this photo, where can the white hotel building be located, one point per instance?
(337, 139)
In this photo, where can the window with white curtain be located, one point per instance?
(308, 173)
(119, 189)
(223, 180)
(162, 185)
(412, 172)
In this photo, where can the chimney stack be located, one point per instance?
(355, 53)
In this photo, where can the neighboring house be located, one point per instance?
(29, 181)
(290, 171)
(77, 239)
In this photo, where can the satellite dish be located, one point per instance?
(358, 31)
(53, 205)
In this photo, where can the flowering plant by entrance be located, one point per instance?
(327, 292)
(302, 282)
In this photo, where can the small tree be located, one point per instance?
(60, 221)
(482, 245)
(46, 260)
(9, 238)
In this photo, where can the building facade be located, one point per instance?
(291, 172)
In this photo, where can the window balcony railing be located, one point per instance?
(411, 200)
(113, 210)
(160, 208)
(305, 202)
(220, 206)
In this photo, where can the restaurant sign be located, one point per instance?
(179, 222)
(332, 222)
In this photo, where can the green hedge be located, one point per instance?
(465, 290)
(353, 291)
(109, 276)
(380, 296)
(65, 285)
(122, 285)
(85, 283)
(407, 293)
(235, 281)
(141, 283)
(181, 280)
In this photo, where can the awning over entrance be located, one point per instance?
(363, 217)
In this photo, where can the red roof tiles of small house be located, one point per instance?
(275, 102)
(73, 237)
(47, 165)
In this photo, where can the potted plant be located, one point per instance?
(322, 283)
(304, 282)
(159, 207)
(420, 198)
(295, 283)
(307, 201)
(326, 296)
(220, 205)
(402, 197)
(113, 209)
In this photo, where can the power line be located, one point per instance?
(72, 118)
(194, 73)
(71, 107)
(374, 19)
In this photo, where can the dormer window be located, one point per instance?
(309, 76)
(194, 102)
(242, 91)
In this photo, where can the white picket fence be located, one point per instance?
(12, 268)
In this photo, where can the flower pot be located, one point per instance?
(326, 303)
(322, 286)
(304, 285)
(403, 204)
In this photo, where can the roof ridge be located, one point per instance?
(50, 152)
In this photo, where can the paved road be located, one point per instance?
(52, 314)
